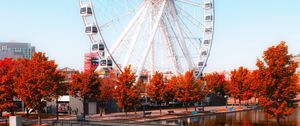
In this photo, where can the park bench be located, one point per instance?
(171, 112)
(80, 117)
(147, 113)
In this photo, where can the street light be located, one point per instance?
(226, 97)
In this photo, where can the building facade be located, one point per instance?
(297, 59)
(91, 61)
(16, 50)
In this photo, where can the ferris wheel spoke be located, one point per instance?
(173, 58)
(181, 37)
(197, 47)
(150, 39)
(120, 17)
(190, 18)
(191, 3)
(128, 28)
(135, 38)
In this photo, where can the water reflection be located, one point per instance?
(245, 118)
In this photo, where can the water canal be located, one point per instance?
(244, 118)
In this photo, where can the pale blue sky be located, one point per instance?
(244, 28)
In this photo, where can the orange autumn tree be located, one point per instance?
(39, 81)
(155, 89)
(215, 83)
(189, 89)
(279, 82)
(239, 86)
(126, 93)
(171, 89)
(85, 85)
(105, 90)
(256, 86)
(8, 71)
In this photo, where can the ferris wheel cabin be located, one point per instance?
(208, 5)
(98, 47)
(106, 62)
(200, 64)
(209, 18)
(206, 42)
(91, 29)
(208, 30)
(86, 11)
(204, 53)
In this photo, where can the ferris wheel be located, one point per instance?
(150, 35)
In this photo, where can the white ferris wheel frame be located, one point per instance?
(156, 25)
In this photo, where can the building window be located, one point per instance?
(4, 48)
(18, 50)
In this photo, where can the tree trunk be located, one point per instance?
(186, 107)
(84, 107)
(144, 109)
(239, 102)
(160, 108)
(234, 102)
(57, 109)
(27, 113)
(101, 109)
(125, 111)
(278, 120)
(12, 112)
(39, 118)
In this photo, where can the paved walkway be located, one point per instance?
(155, 114)
(135, 117)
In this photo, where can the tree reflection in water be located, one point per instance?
(245, 118)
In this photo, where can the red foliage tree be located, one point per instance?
(240, 86)
(155, 89)
(171, 89)
(85, 85)
(105, 90)
(126, 94)
(189, 89)
(39, 81)
(256, 86)
(8, 71)
(215, 83)
(279, 83)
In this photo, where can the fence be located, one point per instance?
(99, 123)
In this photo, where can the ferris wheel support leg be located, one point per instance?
(150, 40)
(135, 38)
(180, 36)
(152, 59)
(152, 54)
(128, 28)
(172, 54)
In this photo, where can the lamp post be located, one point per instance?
(226, 97)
